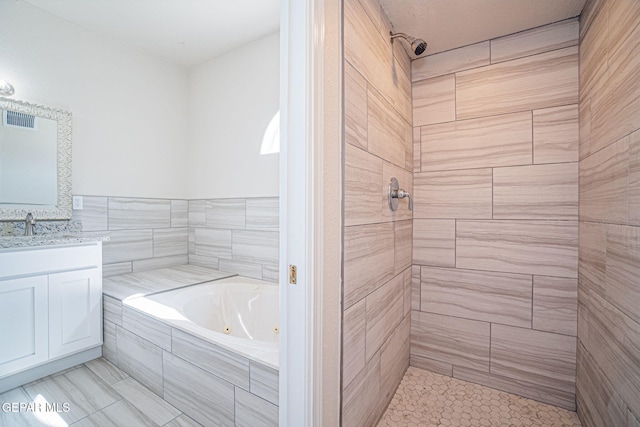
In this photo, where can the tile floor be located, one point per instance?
(428, 399)
(101, 395)
(97, 393)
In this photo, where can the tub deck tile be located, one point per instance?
(251, 411)
(151, 329)
(140, 358)
(216, 360)
(142, 283)
(198, 393)
(264, 382)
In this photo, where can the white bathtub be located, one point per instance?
(237, 313)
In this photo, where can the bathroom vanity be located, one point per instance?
(50, 306)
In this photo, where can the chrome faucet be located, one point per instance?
(29, 222)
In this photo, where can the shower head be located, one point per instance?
(418, 46)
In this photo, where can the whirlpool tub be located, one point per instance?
(236, 313)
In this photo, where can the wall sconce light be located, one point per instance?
(5, 88)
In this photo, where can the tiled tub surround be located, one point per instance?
(495, 228)
(234, 235)
(209, 383)
(377, 242)
(608, 383)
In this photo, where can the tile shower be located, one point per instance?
(521, 153)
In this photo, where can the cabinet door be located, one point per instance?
(23, 323)
(75, 311)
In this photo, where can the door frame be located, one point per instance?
(310, 211)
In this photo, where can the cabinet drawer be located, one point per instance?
(28, 261)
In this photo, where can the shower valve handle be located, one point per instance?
(395, 193)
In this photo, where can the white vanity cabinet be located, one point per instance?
(50, 310)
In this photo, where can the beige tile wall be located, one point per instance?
(495, 234)
(377, 242)
(608, 379)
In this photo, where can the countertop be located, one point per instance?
(11, 242)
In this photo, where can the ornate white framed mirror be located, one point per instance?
(35, 161)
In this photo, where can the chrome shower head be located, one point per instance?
(418, 46)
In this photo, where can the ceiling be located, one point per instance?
(190, 32)
(448, 24)
(187, 32)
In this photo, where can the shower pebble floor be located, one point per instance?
(428, 399)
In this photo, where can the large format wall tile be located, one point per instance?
(592, 255)
(536, 192)
(615, 105)
(263, 214)
(472, 56)
(487, 296)
(434, 100)
(170, 242)
(402, 234)
(520, 387)
(353, 341)
(504, 140)
(360, 397)
(257, 247)
(555, 134)
(179, 213)
(539, 81)
(363, 187)
(355, 107)
(604, 178)
(394, 359)
(226, 213)
(221, 362)
(368, 259)
(127, 245)
(141, 358)
(205, 397)
(614, 339)
(547, 248)
(454, 194)
(94, 214)
(264, 382)
(450, 339)
(369, 51)
(555, 305)
(128, 213)
(538, 40)
(252, 411)
(213, 243)
(634, 179)
(384, 311)
(598, 402)
(623, 269)
(152, 330)
(434, 242)
(386, 130)
(534, 356)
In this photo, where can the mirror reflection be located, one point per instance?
(35, 161)
(28, 160)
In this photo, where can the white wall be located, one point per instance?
(232, 98)
(129, 108)
(144, 127)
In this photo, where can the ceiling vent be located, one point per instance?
(19, 120)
